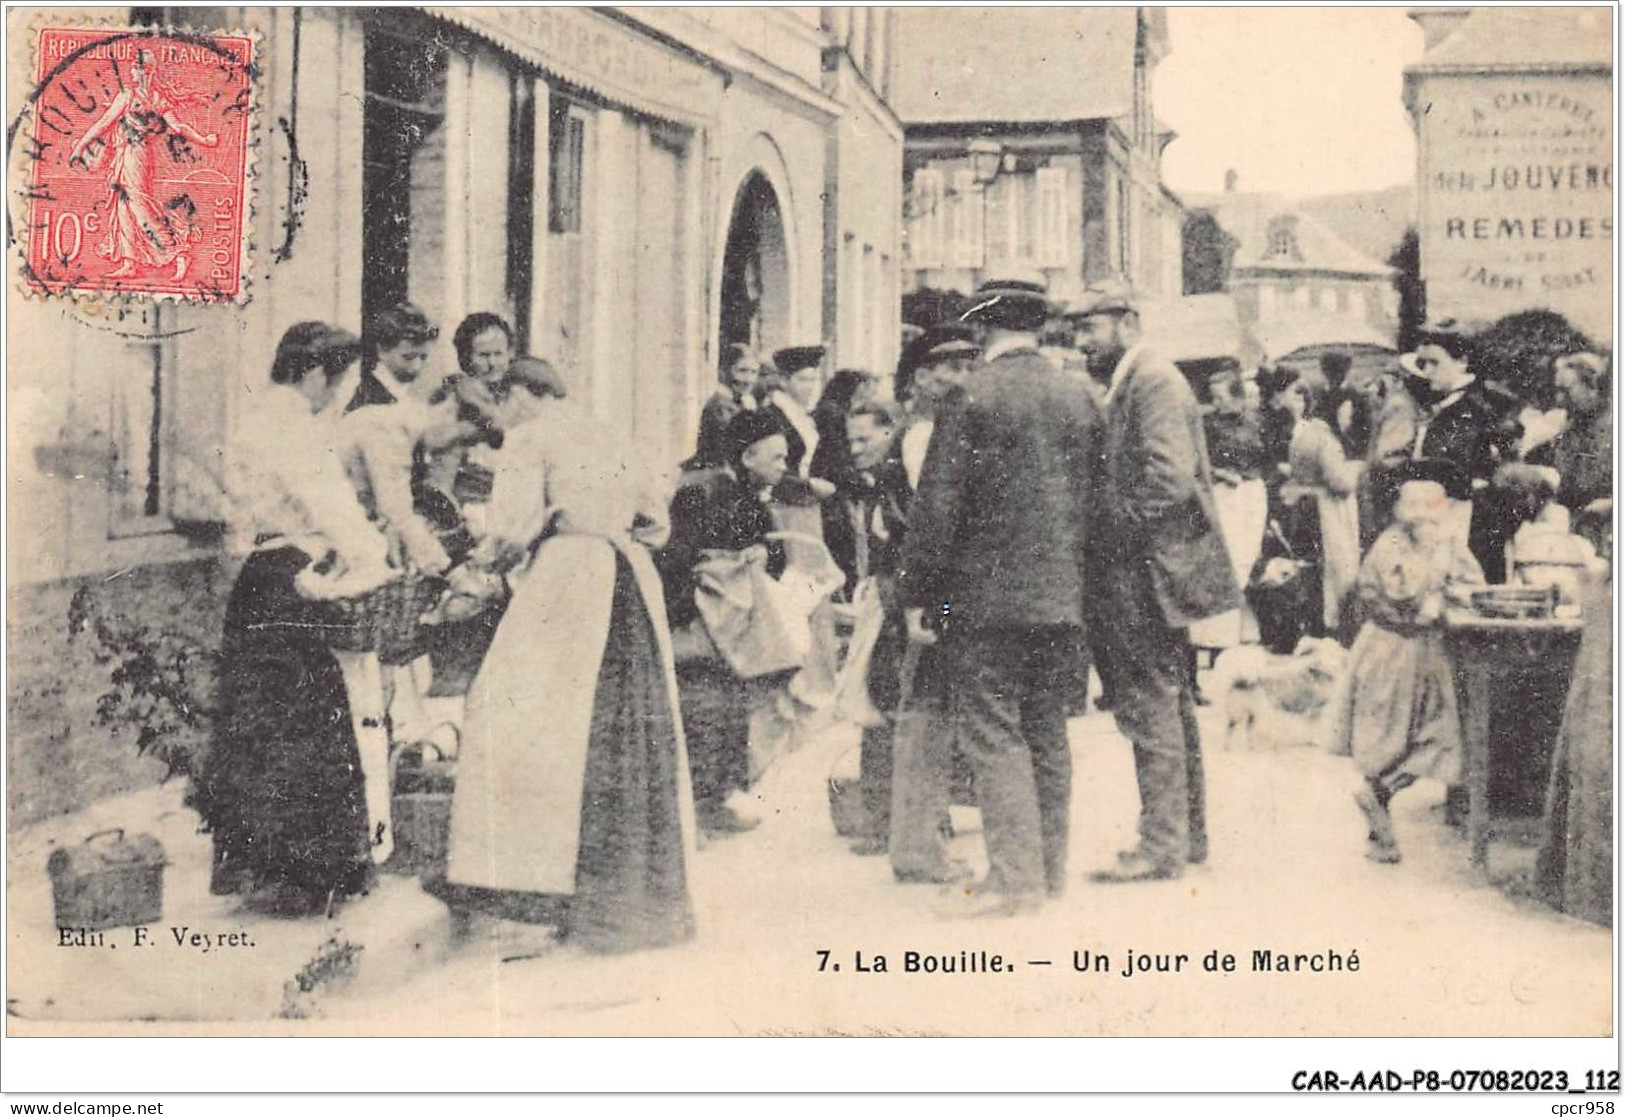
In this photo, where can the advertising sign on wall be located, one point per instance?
(1516, 196)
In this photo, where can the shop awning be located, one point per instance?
(601, 56)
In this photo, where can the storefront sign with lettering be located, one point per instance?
(1516, 206)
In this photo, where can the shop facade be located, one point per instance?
(630, 190)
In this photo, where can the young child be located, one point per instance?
(1396, 715)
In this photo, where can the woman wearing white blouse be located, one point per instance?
(282, 789)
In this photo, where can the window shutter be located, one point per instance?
(998, 247)
(968, 232)
(925, 241)
(1051, 238)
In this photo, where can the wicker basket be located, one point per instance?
(384, 620)
(420, 811)
(108, 881)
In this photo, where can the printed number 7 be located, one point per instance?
(823, 960)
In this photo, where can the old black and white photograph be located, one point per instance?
(812, 521)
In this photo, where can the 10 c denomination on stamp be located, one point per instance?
(139, 143)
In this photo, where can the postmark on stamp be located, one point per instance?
(138, 142)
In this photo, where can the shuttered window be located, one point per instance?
(1022, 223)
(1050, 217)
(925, 242)
(967, 221)
(998, 212)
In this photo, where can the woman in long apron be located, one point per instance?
(573, 803)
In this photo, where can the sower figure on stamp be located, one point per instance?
(1156, 563)
(994, 556)
(142, 230)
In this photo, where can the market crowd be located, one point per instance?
(941, 560)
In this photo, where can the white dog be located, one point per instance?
(1276, 702)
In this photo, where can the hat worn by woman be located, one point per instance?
(1437, 470)
(798, 357)
(746, 429)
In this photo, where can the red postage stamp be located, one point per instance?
(139, 142)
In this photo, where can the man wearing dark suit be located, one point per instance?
(1156, 563)
(994, 558)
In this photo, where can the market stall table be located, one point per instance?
(1488, 653)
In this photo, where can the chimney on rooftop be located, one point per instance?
(1230, 180)
(1438, 24)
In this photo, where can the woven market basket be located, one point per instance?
(384, 620)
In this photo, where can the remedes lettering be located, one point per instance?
(1528, 228)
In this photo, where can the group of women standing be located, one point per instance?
(571, 803)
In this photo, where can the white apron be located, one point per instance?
(1243, 512)
(516, 813)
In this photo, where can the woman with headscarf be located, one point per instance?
(282, 790)
(1460, 420)
(572, 798)
(791, 406)
(1583, 454)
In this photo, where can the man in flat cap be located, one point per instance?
(994, 560)
(1156, 563)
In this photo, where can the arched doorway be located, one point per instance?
(755, 271)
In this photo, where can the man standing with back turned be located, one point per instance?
(1156, 563)
(992, 568)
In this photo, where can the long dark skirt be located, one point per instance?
(281, 788)
(631, 883)
(1575, 867)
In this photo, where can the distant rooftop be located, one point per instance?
(1017, 65)
(1253, 218)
